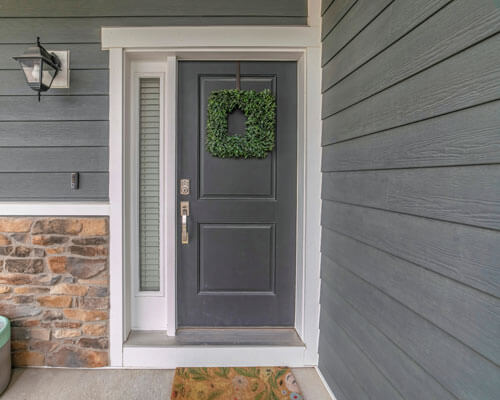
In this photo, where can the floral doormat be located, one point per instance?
(262, 383)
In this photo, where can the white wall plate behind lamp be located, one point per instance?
(61, 81)
(44, 69)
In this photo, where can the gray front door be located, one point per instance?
(238, 268)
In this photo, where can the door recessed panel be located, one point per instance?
(234, 178)
(236, 258)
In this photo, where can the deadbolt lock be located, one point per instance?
(184, 187)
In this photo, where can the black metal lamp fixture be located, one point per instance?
(40, 67)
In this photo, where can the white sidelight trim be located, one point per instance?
(150, 310)
(118, 330)
(301, 44)
(169, 223)
(54, 208)
(147, 308)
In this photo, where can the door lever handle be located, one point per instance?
(184, 229)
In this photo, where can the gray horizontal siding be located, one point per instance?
(459, 369)
(40, 143)
(82, 55)
(331, 365)
(83, 82)
(456, 309)
(405, 375)
(468, 195)
(359, 15)
(325, 4)
(54, 108)
(54, 133)
(463, 137)
(374, 384)
(402, 16)
(465, 24)
(463, 253)
(456, 83)
(53, 186)
(72, 30)
(410, 294)
(57, 159)
(150, 8)
(334, 14)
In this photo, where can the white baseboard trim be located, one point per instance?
(325, 383)
(53, 208)
(213, 356)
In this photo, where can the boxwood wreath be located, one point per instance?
(260, 112)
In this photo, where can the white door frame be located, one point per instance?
(147, 308)
(217, 43)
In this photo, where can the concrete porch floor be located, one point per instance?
(109, 384)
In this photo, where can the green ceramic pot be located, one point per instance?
(5, 366)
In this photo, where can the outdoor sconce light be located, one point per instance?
(42, 67)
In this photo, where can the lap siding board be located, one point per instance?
(410, 162)
(75, 118)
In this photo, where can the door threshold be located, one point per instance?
(227, 347)
(216, 337)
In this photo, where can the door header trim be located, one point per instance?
(176, 37)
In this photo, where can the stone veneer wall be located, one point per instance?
(54, 289)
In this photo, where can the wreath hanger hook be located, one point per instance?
(238, 78)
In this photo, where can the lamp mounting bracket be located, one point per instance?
(61, 81)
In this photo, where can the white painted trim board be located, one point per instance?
(54, 208)
(211, 37)
(232, 42)
(118, 330)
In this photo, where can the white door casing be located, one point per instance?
(126, 45)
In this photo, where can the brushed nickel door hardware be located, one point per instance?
(184, 214)
(184, 187)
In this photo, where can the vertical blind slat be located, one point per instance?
(149, 183)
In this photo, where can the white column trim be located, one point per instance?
(116, 282)
(54, 208)
(312, 185)
(314, 13)
(170, 228)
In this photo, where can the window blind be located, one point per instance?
(149, 183)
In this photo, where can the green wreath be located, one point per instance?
(260, 111)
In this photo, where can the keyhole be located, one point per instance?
(236, 123)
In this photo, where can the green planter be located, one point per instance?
(5, 366)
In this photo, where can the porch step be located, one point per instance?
(216, 337)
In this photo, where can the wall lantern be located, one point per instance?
(41, 68)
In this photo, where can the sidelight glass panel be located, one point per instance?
(149, 183)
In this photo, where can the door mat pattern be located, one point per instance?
(248, 383)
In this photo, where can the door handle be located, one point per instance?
(184, 228)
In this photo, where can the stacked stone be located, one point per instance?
(54, 284)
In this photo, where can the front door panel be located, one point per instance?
(238, 268)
